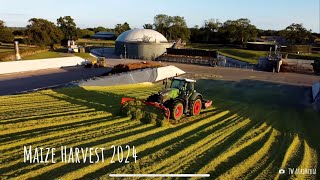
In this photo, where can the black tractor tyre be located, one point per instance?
(195, 107)
(154, 98)
(176, 111)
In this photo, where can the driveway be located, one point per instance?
(25, 81)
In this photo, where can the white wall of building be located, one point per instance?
(32, 65)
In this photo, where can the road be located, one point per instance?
(25, 81)
(18, 82)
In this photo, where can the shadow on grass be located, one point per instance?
(286, 103)
(261, 98)
(108, 153)
(290, 106)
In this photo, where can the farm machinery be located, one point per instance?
(175, 99)
(99, 62)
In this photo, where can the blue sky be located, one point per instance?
(265, 14)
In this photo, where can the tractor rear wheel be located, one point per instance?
(196, 107)
(176, 111)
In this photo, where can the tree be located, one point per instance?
(68, 27)
(148, 26)
(18, 32)
(172, 27)
(2, 24)
(297, 34)
(211, 30)
(43, 32)
(98, 29)
(85, 33)
(120, 28)
(161, 23)
(5, 33)
(239, 31)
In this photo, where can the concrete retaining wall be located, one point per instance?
(32, 65)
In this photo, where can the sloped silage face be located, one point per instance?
(245, 134)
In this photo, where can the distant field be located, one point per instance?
(243, 55)
(251, 131)
(305, 56)
(249, 56)
(85, 56)
(96, 42)
(5, 47)
(47, 54)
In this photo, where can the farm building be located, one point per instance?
(104, 35)
(141, 44)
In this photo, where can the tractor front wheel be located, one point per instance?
(196, 107)
(177, 111)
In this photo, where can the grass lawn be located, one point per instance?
(96, 42)
(250, 132)
(47, 54)
(8, 47)
(85, 56)
(249, 56)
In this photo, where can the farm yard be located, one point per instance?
(251, 131)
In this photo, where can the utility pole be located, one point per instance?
(16, 49)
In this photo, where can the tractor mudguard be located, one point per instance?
(194, 96)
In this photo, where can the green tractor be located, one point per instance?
(180, 98)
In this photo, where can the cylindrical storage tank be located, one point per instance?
(144, 44)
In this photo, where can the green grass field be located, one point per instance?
(305, 56)
(85, 56)
(6, 47)
(250, 132)
(47, 54)
(249, 56)
(53, 54)
(96, 42)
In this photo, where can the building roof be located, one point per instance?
(141, 35)
(184, 79)
(104, 34)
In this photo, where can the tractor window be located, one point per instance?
(177, 84)
(190, 86)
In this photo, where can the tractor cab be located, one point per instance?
(179, 87)
(183, 84)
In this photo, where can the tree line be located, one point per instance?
(43, 32)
